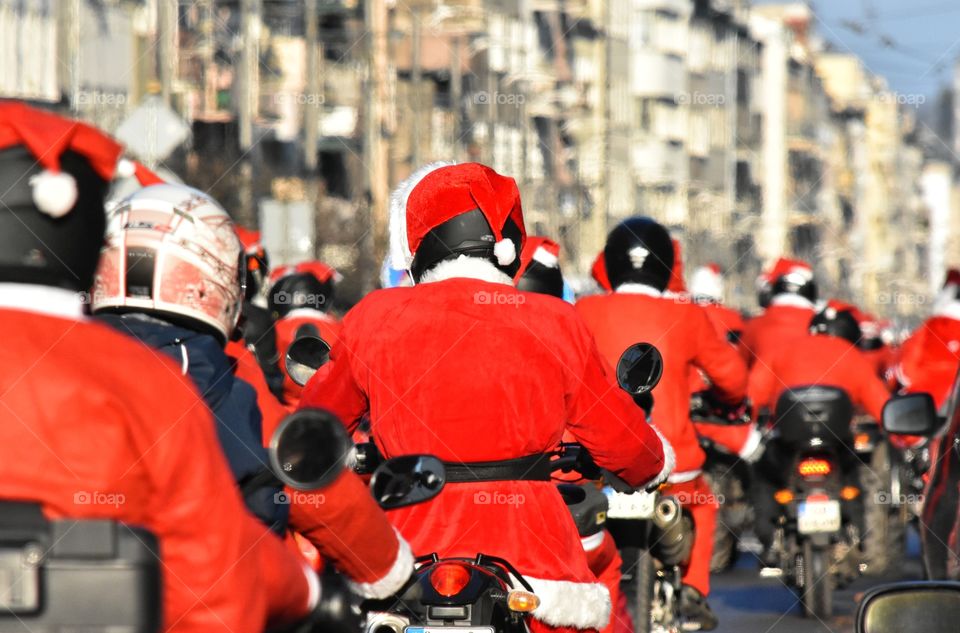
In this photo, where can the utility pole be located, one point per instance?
(247, 107)
(208, 51)
(416, 77)
(166, 47)
(313, 101)
(374, 155)
(456, 94)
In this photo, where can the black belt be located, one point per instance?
(529, 468)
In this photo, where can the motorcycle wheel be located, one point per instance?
(817, 582)
(637, 583)
(884, 539)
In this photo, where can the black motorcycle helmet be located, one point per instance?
(540, 268)
(792, 277)
(833, 322)
(465, 234)
(300, 290)
(36, 248)
(639, 250)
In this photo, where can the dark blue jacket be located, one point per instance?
(232, 401)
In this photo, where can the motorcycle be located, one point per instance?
(729, 478)
(816, 540)
(484, 594)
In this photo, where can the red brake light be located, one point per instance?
(814, 467)
(449, 579)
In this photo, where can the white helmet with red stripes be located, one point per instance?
(171, 251)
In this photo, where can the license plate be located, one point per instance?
(818, 516)
(447, 629)
(637, 505)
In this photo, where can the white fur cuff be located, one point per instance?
(582, 605)
(393, 580)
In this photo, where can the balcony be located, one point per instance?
(657, 75)
(657, 162)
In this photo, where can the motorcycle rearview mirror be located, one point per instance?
(928, 606)
(407, 480)
(309, 449)
(640, 368)
(912, 414)
(305, 356)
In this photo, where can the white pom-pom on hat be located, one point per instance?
(54, 193)
(505, 252)
(126, 168)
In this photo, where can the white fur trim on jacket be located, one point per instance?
(751, 451)
(393, 580)
(468, 267)
(950, 310)
(638, 289)
(593, 541)
(58, 302)
(790, 299)
(669, 460)
(582, 605)
(684, 476)
(400, 255)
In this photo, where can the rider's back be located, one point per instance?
(95, 425)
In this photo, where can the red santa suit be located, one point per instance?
(144, 435)
(930, 358)
(686, 338)
(787, 318)
(821, 360)
(102, 416)
(465, 367)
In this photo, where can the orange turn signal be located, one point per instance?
(783, 497)
(849, 493)
(861, 441)
(522, 601)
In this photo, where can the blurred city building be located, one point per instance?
(735, 125)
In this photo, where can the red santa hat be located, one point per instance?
(784, 267)
(707, 281)
(953, 278)
(538, 249)
(599, 272)
(129, 168)
(249, 238)
(320, 271)
(47, 137)
(677, 285)
(441, 191)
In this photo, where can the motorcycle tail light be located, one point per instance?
(783, 497)
(814, 467)
(849, 493)
(449, 579)
(862, 442)
(522, 601)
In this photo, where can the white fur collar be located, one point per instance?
(638, 289)
(466, 267)
(790, 299)
(950, 310)
(58, 302)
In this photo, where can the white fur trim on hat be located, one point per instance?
(391, 582)
(505, 252)
(400, 255)
(545, 257)
(54, 193)
(707, 283)
(582, 605)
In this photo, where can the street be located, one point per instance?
(745, 602)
